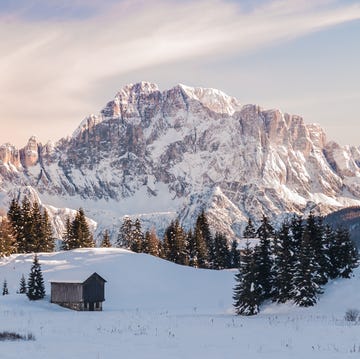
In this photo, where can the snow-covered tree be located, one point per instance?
(22, 286)
(125, 233)
(247, 292)
(105, 243)
(35, 286)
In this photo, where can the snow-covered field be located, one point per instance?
(157, 309)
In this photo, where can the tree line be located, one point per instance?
(26, 229)
(293, 263)
(196, 247)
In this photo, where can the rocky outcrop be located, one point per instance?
(186, 148)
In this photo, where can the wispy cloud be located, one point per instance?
(47, 62)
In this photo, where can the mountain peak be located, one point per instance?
(139, 87)
(216, 100)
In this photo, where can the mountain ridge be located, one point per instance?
(183, 150)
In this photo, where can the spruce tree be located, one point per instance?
(68, 241)
(306, 282)
(125, 234)
(27, 238)
(221, 252)
(7, 238)
(191, 249)
(202, 254)
(283, 266)
(15, 218)
(151, 243)
(175, 243)
(35, 236)
(105, 243)
(348, 256)
(46, 242)
(263, 257)
(234, 255)
(137, 237)
(5, 290)
(35, 287)
(247, 293)
(22, 286)
(202, 225)
(80, 232)
(249, 231)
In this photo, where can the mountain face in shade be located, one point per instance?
(160, 154)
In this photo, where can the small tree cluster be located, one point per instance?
(27, 229)
(77, 233)
(196, 247)
(292, 263)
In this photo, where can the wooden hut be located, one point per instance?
(87, 295)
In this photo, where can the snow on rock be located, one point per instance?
(183, 149)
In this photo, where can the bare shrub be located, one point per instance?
(5, 335)
(352, 315)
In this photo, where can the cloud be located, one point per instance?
(50, 63)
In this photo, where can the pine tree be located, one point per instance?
(306, 282)
(125, 234)
(26, 240)
(7, 238)
(247, 293)
(263, 257)
(175, 242)
(191, 249)
(283, 266)
(151, 243)
(105, 243)
(202, 225)
(201, 249)
(348, 256)
(35, 287)
(46, 242)
(35, 235)
(22, 286)
(14, 216)
(234, 255)
(80, 232)
(137, 237)
(221, 252)
(5, 290)
(249, 231)
(315, 231)
(68, 241)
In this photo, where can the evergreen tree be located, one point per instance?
(283, 266)
(175, 242)
(263, 257)
(125, 234)
(151, 243)
(137, 240)
(332, 250)
(80, 231)
(315, 231)
(201, 249)
(5, 290)
(306, 281)
(7, 238)
(234, 255)
(247, 292)
(192, 250)
(202, 226)
(348, 256)
(22, 287)
(15, 218)
(27, 238)
(68, 241)
(46, 242)
(221, 252)
(35, 235)
(105, 243)
(35, 288)
(250, 231)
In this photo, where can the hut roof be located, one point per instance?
(77, 280)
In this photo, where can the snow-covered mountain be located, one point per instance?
(157, 154)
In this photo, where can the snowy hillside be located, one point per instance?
(160, 154)
(156, 309)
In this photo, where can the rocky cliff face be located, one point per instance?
(160, 153)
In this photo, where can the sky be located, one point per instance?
(61, 60)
